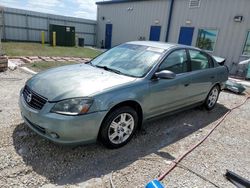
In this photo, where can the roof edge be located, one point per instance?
(116, 1)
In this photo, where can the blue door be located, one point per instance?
(155, 32)
(108, 36)
(186, 35)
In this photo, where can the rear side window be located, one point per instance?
(175, 62)
(199, 61)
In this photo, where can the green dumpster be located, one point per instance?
(65, 35)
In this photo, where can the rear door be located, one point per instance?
(171, 94)
(203, 75)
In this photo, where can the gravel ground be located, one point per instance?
(27, 160)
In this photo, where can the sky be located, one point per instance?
(75, 8)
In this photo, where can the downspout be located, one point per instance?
(169, 19)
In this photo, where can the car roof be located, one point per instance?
(162, 45)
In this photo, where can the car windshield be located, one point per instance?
(129, 59)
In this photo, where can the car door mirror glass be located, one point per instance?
(165, 74)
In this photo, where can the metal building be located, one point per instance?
(121, 21)
(221, 27)
(23, 25)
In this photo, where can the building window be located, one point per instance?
(246, 50)
(194, 3)
(206, 39)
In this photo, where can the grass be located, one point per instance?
(44, 65)
(36, 49)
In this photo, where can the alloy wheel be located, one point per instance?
(121, 128)
(212, 98)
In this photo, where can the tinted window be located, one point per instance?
(206, 39)
(175, 62)
(246, 50)
(129, 59)
(199, 60)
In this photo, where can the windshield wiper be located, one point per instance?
(109, 69)
(90, 63)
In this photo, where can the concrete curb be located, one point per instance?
(27, 70)
(32, 59)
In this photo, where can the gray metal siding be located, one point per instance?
(215, 14)
(37, 23)
(130, 25)
(212, 14)
(15, 34)
(27, 25)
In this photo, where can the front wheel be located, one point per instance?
(119, 127)
(212, 98)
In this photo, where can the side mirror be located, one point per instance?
(165, 74)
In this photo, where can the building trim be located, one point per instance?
(117, 1)
(169, 19)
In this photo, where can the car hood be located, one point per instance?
(71, 81)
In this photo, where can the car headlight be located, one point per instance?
(74, 106)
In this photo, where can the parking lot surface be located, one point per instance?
(27, 160)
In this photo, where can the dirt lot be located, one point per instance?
(27, 160)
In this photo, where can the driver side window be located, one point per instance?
(176, 62)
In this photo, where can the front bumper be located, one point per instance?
(62, 129)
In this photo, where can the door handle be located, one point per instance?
(187, 84)
(212, 77)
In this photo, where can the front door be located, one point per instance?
(186, 35)
(108, 36)
(171, 94)
(155, 32)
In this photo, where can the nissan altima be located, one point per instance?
(110, 97)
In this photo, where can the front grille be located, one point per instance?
(33, 99)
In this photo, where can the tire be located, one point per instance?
(212, 98)
(118, 127)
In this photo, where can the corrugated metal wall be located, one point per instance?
(129, 25)
(215, 14)
(212, 14)
(22, 25)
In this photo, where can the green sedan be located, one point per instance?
(110, 97)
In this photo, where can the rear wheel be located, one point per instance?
(212, 98)
(119, 127)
